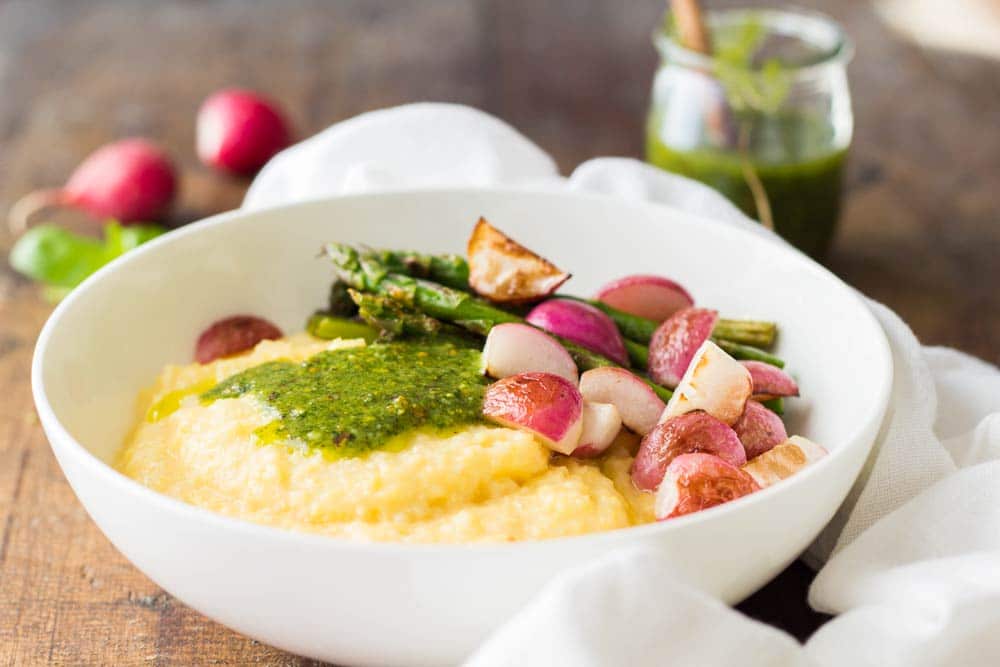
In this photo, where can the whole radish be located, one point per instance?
(238, 131)
(130, 180)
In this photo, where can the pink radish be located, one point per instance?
(759, 429)
(652, 297)
(582, 324)
(784, 460)
(694, 482)
(503, 270)
(548, 405)
(233, 335)
(675, 342)
(714, 382)
(601, 425)
(637, 403)
(239, 130)
(693, 432)
(769, 381)
(518, 348)
(130, 180)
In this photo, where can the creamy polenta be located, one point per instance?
(468, 484)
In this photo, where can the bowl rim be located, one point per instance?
(122, 484)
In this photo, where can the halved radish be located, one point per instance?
(686, 434)
(770, 381)
(601, 424)
(652, 297)
(503, 270)
(715, 383)
(759, 429)
(513, 348)
(694, 482)
(233, 335)
(784, 460)
(582, 324)
(548, 405)
(675, 342)
(637, 403)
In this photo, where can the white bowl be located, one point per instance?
(422, 605)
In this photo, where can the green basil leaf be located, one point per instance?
(56, 256)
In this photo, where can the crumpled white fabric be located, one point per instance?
(910, 565)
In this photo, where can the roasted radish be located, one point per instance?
(652, 297)
(233, 335)
(518, 348)
(503, 270)
(759, 429)
(546, 404)
(601, 425)
(715, 383)
(694, 482)
(770, 382)
(784, 460)
(582, 324)
(637, 403)
(686, 434)
(676, 341)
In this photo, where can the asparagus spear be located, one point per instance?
(640, 329)
(738, 351)
(365, 273)
(448, 270)
(328, 327)
(390, 318)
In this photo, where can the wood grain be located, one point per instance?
(920, 230)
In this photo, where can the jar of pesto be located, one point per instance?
(765, 118)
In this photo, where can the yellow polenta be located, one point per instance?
(482, 483)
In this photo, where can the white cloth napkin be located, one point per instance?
(910, 565)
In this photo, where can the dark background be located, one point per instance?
(920, 230)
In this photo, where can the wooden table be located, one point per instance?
(920, 231)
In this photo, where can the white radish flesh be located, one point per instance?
(601, 425)
(715, 383)
(513, 348)
(637, 403)
(503, 270)
(784, 460)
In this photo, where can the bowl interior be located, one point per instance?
(110, 338)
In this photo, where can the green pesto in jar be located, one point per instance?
(352, 401)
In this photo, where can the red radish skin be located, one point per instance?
(131, 180)
(601, 425)
(548, 405)
(638, 405)
(513, 348)
(233, 335)
(759, 429)
(695, 482)
(582, 324)
(643, 295)
(687, 434)
(769, 381)
(676, 341)
(238, 130)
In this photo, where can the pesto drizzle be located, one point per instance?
(352, 401)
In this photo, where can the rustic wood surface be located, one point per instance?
(920, 230)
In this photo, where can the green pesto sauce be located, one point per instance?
(795, 161)
(352, 401)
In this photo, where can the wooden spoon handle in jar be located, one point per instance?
(691, 26)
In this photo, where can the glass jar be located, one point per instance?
(766, 120)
